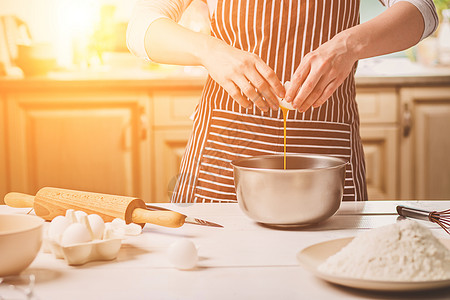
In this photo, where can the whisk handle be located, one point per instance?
(413, 213)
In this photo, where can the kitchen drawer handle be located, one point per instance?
(407, 121)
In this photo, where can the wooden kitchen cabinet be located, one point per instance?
(95, 134)
(172, 128)
(169, 149)
(406, 143)
(93, 141)
(3, 149)
(127, 137)
(425, 145)
(379, 130)
(381, 152)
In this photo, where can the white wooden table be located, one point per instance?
(243, 260)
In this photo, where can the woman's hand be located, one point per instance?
(245, 76)
(320, 73)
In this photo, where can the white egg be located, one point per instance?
(133, 229)
(118, 223)
(57, 226)
(84, 220)
(109, 231)
(183, 254)
(108, 226)
(70, 215)
(79, 215)
(113, 232)
(74, 234)
(97, 226)
(286, 104)
(119, 232)
(283, 102)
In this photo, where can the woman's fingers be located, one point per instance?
(327, 93)
(312, 83)
(310, 91)
(297, 80)
(318, 87)
(316, 96)
(249, 90)
(263, 88)
(259, 83)
(235, 93)
(269, 76)
(320, 73)
(261, 103)
(244, 75)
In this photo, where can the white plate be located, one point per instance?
(312, 256)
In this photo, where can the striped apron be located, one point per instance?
(281, 32)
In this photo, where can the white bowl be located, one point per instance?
(20, 241)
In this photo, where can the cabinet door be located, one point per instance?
(426, 143)
(380, 150)
(3, 147)
(92, 142)
(174, 109)
(378, 109)
(169, 149)
(172, 124)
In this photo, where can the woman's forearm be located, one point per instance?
(244, 75)
(398, 28)
(322, 71)
(170, 43)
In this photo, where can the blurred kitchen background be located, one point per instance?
(78, 111)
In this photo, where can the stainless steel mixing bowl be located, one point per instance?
(309, 191)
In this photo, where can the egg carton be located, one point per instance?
(79, 238)
(81, 253)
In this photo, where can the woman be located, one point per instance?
(255, 47)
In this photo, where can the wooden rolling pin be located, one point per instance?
(51, 202)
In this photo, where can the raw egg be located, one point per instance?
(97, 226)
(183, 254)
(79, 214)
(74, 234)
(57, 227)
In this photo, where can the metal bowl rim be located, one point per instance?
(236, 161)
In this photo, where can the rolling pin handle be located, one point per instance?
(164, 218)
(14, 199)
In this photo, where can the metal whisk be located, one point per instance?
(442, 218)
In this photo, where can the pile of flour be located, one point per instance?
(405, 251)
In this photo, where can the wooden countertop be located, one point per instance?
(402, 81)
(370, 73)
(399, 72)
(88, 81)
